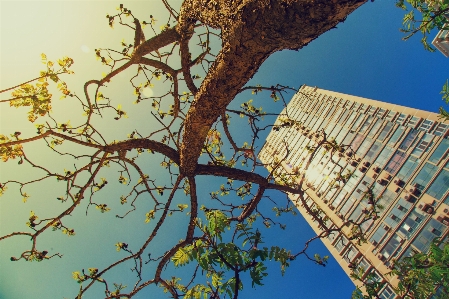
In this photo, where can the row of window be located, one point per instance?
(395, 162)
(309, 101)
(351, 255)
(371, 148)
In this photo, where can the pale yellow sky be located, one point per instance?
(59, 28)
(56, 28)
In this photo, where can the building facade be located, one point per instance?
(441, 40)
(399, 153)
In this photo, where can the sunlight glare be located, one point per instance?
(312, 174)
(148, 92)
(85, 49)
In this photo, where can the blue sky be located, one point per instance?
(364, 56)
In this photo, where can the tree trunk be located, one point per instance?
(251, 31)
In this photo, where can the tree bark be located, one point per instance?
(251, 31)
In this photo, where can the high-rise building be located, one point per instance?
(441, 40)
(399, 153)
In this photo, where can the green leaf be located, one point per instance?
(182, 207)
(182, 257)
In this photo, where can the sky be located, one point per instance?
(365, 56)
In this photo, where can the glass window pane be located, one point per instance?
(408, 168)
(395, 162)
(357, 141)
(366, 124)
(396, 136)
(375, 128)
(401, 118)
(440, 150)
(440, 129)
(373, 151)
(426, 125)
(423, 145)
(383, 157)
(387, 293)
(424, 176)
(366, 144)
(385, 131)
(357, 122)
(440, 186)
(408, 141)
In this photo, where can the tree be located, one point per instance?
(433, 14)
(420, 275)
(190, 141)
(195, 129)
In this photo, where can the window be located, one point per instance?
(335, 131)
(391, 114)
(374, 276)
(440, 130)
(380, 113)
(383, 157)
(356, 142)
(424, 176)
(366, 144)
(364, 264)
(394, 217)
(366, 124)
(440, 150)
(348, 138)
(385, 131)
(339, 198)
(431, 231)
(350, 254)
(426, 125)
(350, 119)
(340, 136)
(407, 228)
(341, 243)
(357, 122)
(423, 144)
(408, 168)
(332, 236)
(348, 205)
(401, 118)
(440, 186)
(387, 293)
(343, 117)
(408, 141)
(413, 121)
(385, 200)
(396, 136)
(373, 151)
(411, 223)
(379, 234)
(395, 162)
(371, 110)
(375, 128)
